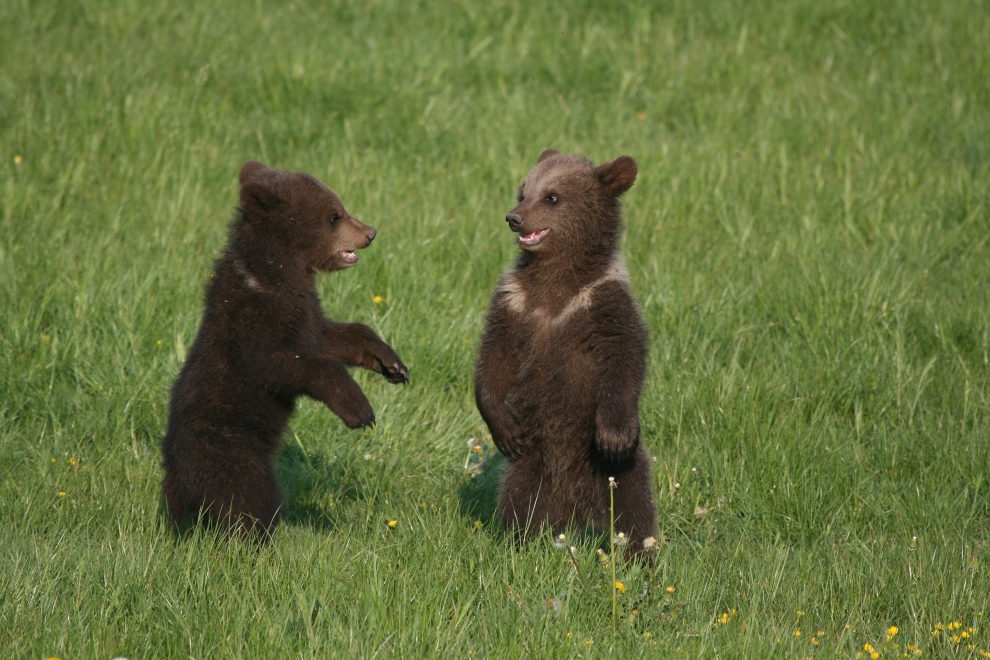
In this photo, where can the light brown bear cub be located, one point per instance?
(563, 358)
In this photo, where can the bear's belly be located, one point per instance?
(555, 394)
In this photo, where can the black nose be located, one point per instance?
(371, 234)
(515, 222)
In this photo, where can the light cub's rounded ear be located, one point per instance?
(547, 154)
(253, 170)
(618, 175)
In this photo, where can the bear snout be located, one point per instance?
(515, 221)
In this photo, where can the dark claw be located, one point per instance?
(397, 373)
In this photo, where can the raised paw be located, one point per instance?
(511, 441)
(359, 421)
(396, 372)
(354, 410)
(617, 443)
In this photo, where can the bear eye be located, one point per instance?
(552, 198)
(334, 218)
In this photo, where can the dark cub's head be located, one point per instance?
(297, 214)
(568, 205)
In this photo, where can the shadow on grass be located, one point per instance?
(313, 489)
(478, 496)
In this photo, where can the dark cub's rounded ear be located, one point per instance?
(618, 175)
(257, 192)
(547, 154)
(253, 170)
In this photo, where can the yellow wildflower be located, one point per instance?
(393, 523)
(377, 300)
(797, 633)
(621, 587)
(17, 159)
(893, 630)
(669, 590)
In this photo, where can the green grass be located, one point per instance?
(808, 238)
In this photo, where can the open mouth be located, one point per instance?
(349, 256)
(533, 238)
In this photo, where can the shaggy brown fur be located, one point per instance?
(563, 358)
(263, 342)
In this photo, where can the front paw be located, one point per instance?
(618, 442)
(512, 441)
(360, 421)
(396, 372)
(388, 364)
(356, 412)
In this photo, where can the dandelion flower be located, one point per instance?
(377, 300)
(671, 589)
(478, 524)
(797, 633)
(17, 161)
(61, 493)
(620, 587)
(392, 523)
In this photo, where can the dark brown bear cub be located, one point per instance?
(263, 342)
(563, 358)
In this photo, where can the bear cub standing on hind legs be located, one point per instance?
(263, 342)
(563, 358)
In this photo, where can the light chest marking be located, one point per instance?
(514, 296)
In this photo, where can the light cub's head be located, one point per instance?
(566, 204)
(300, 214)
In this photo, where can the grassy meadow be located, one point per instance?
(809, 238)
